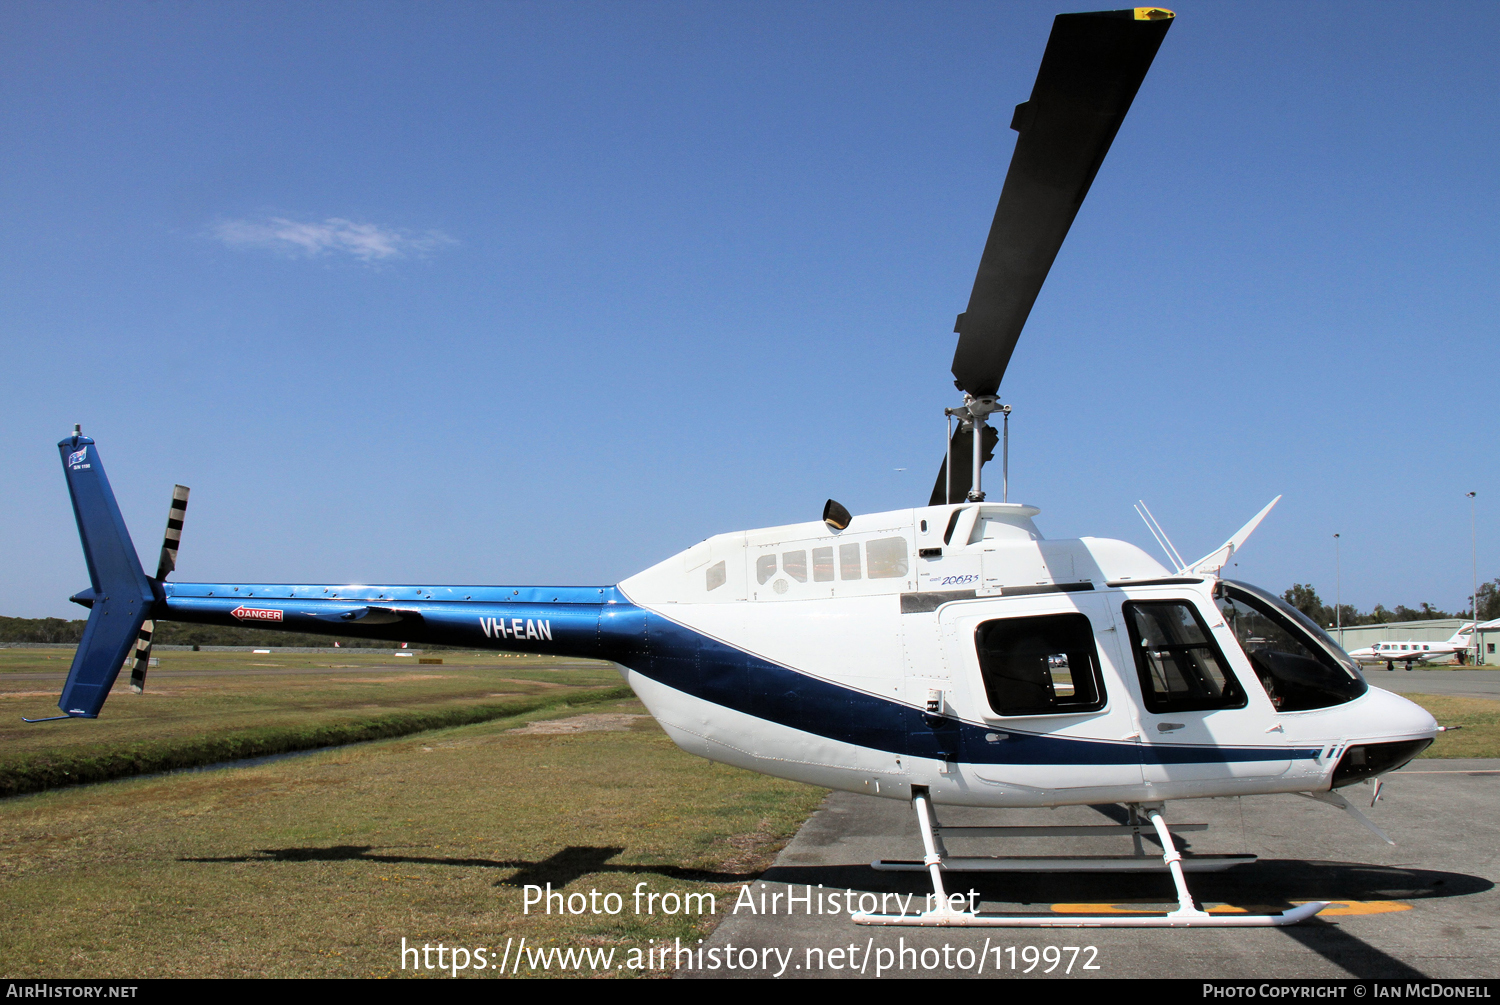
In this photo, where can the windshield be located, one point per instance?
(1298, 664)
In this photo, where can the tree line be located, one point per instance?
(1303, 597)
(173, 633)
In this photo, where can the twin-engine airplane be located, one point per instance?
(947, 654)
(1409, 652)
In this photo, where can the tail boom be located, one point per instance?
(559, 621)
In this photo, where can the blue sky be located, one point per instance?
(543, 293)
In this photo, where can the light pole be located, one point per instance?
(1474, 550)
(1338, 591)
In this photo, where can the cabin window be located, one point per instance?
(1180, 667)
(886, 558)
(1297, 670)
(849, 561)
(1040, 666)
(715, 576)
(765, 568)
(822, 565)
(794, 564)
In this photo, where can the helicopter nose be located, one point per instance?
(1388, 716)
(1388, 732)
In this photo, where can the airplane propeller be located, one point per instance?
(140, 657)
(1091, 70)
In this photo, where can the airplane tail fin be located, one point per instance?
(122, 595)
(1463, 636)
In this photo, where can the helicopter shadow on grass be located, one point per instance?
(566, 866)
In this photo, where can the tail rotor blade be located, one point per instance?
(140, 657)
(169, 544)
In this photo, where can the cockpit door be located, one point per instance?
(1201, 726)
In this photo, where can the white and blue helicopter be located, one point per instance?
(947, 654)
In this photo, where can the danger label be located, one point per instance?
(256, 614)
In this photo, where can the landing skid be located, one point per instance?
(937, 861)
(1105, 863)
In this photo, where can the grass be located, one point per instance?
(1479, 717)
(320, 865)
(201, 708)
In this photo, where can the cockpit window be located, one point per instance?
(1297, 663)
(1180, 667)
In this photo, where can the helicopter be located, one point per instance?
(946, 655)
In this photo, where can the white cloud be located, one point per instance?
(365, 241)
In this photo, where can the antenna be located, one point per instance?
(1160, 535)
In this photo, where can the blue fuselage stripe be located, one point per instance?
(599, 623)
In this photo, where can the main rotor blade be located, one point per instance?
(962, 451)
(1093, 65)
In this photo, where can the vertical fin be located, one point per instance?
(123, 596)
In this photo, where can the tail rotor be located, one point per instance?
(140, 658)
(169, 544)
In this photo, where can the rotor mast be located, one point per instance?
(974, 414)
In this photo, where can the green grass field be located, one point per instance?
(213, 706)
(319, 864)
(1479, 717)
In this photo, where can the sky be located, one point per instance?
(547, 292)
